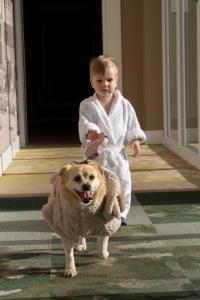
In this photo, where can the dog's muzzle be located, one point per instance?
(86, 194)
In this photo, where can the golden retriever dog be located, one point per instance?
(86, 200)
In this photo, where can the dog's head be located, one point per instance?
(85, 181)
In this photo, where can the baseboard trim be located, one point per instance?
(186, 154)
(154, 136)
(15, 147)
(8, 155)
(6, 158)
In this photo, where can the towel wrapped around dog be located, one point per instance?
(72, 222)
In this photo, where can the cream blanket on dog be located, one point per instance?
(71, 222)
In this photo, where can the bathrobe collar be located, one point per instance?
(107, 118)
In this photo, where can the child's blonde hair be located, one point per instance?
(101, 64)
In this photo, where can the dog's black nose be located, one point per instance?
(86, 187)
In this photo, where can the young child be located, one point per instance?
(108, 112)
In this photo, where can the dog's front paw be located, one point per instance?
(70, 273)
(80, 248)
(104, 254)
(82, 245)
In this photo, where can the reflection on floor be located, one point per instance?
(156, 169)
(157, 256)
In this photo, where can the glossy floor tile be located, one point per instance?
(155, 170)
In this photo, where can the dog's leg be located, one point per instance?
(70, 268)
(81, 244)
(102, 246)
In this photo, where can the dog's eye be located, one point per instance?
(91, 177)
(77, 178)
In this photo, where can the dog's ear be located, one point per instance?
(96, 165)
(101, 170)
(65, 169)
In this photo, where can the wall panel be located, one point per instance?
(4, 105)
(10, 51)
(8, 101)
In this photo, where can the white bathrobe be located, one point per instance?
(121, 126)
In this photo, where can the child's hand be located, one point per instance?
(135, 147)
(93, 135)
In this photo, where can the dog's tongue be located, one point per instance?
(86, 196)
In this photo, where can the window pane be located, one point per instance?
(190, 108)
(172, 65)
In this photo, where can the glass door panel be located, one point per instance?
(189, 74)
(172, 119)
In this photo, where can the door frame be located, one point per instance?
(20, 73)
(178, 146)
(111, 20)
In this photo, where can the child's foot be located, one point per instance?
(123, 221)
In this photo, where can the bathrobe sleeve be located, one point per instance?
(86, 122)
(134, 132)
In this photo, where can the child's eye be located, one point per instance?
(99, 80)
(110, 79)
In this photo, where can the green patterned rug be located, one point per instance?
(135, 265)
(158, 259)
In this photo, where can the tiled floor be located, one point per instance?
(156, 169)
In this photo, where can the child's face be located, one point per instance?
(104, 85)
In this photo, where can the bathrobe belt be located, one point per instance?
(111, 158)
